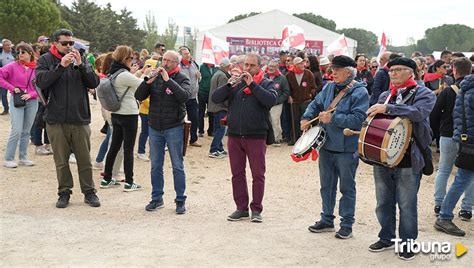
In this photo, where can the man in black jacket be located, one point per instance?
(65, 78)
(248, 121)
(168, 91)
(442, 119)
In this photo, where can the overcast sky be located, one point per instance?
(399, 19)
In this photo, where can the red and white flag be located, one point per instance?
(383, 47)
(293, 37)
(339, 47)
(214, 49)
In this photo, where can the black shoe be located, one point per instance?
(256, 217)
(447, 226)
(180, 208)
(406, 255)
(344, 233)
(437, 209)
(465, 215)
(4, 113)
(238, 215)
(154, 204)
(320, 227)
(380, 246)
(201, 135)
(63, 200)
(92, 200)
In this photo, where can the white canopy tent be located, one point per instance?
(270, 25)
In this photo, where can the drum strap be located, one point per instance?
(339, 96)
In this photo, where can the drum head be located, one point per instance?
(397, 142)
(307, 140)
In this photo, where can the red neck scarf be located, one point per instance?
(175, 70)
(281, 65)
(257, 79)
(31, 64)
(185, 62)
(55, 52)
(361, 69)
(210, 65)
(276, 73)
(409, 83)
(328, 77)
(295, 69)
(431, 77)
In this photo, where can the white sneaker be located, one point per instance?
(26, 162)
(40, 150)
(72, 159)
(143, 157)
(10, 164)
(48, 147)
(98, 165)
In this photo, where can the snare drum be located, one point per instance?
(313, 138)
(384, 139)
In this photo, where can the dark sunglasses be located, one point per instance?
(23, 52)
(65, 43)
(374, 67)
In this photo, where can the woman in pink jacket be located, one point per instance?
(18, 77)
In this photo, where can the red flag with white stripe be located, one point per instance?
(383, 47)
(293, 37)
(214, 49)
(339, 47)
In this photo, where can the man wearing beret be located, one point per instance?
(337, 157)
(400, 184)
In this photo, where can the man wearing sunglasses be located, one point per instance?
(65, 79)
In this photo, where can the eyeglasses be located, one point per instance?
(65, 43)
(374, 67)
(22, 52)
(397, 70)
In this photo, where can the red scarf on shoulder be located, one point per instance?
(431, 77)
(175, 70)
(409, 83)
(185, 62)
(361, 69)
(31, 64)
(274, 74)
(295, 69)
(257, 79)
(55, 52)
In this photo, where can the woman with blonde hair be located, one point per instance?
(125, 120)
(18, 77)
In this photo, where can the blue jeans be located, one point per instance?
(4, 96)
(331, 166)
(219, 132)
(21, 119)
(192, 109)
(173, 138)
(143, 133)
(104, 147)
(448, 151)
(462, 181)
(392, 186)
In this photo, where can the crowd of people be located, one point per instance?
(256, 102)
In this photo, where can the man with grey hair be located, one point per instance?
(7, 55)
(337, 157)
(219, 110)
(250, 96)
(169, 91)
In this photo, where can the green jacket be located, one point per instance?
(206, 75)
(281, 87)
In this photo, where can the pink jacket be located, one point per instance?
(15, 75)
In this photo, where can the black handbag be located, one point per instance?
(270, 133)
(428, 169)
(465, 157)
(17, 100)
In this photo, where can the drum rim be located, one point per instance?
(302, 152)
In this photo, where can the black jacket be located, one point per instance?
(67, 90)
(380, 85)
(441, 117)
(167, 100)
(247, 115)
(365, 76)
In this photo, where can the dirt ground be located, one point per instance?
(121, 233)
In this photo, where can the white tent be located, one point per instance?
(270, 25)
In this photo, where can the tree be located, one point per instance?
(243, 16)
(170, 35)
(25, 20)
(318, 20)
(366, 40)
(191, 40)
(151, 30)
(455, 37)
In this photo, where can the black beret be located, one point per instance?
(403, 61)
(343, 61)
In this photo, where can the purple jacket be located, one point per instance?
(15, 75)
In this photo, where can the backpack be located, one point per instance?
(107, 95)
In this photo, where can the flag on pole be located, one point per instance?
(383, 47)
(339, 47)
(214, 49)
(293, 37)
